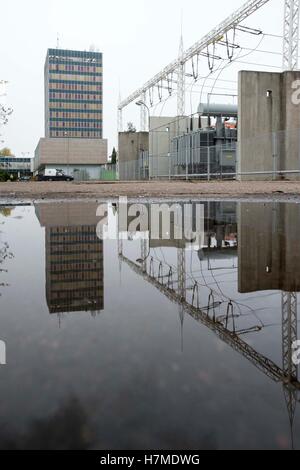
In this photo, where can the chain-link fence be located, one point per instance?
(269, 156)
(211, 162)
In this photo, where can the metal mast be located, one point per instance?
(291, 34)
(143, 111)
(120, 115)
(181, 81)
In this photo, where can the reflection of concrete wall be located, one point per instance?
(269, 124)
(67, 214)
(74, 257)
(269, 247)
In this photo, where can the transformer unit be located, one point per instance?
(211, 150)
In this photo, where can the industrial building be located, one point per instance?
(84, 159)
(16, 166)
(73, 139)
(178, 147)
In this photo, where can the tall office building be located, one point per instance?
(73, 94)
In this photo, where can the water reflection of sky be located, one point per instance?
(131, 376)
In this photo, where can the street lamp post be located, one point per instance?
(66, 134)
(142, 103)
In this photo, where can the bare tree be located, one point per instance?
(4, 115)
(4, 111)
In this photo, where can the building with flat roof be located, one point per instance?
(83, 159)
(16, 165)
(73, 94)
(73, 139)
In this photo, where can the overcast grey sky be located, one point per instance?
(137, 38)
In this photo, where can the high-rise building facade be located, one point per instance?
(73, 94)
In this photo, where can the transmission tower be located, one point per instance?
(143, 111)
(291, 34)
(120, 115)
(181, 81)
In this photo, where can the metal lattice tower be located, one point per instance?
(181, 81)
(120, 116)
(291, 35)
(143, 111)
(120, 120)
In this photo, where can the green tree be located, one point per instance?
(114, 157)
(4, 175)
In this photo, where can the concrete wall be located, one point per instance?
(131, 144)
(269, 124)
(163, 130)
(58, 152)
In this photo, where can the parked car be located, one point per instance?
(25, 178)
(54, 175)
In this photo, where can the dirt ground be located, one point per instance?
(154, 189)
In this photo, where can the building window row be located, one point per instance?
(90, 91)
(63, 78)
(75, 96)
(85, 63)
(76, 116)
(92, 124)
(81, 112)
(75, 68)
(75, 87)
(79, 103)
(77, 134)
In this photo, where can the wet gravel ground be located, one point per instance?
(156, 189)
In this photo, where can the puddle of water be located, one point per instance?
(125, 344)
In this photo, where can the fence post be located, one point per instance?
(221, 165)
(186, 160)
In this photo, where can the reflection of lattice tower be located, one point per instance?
(289, 336)
(144, 252)
(291, 35)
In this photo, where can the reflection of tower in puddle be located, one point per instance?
(176, 222)
(269, 259)
(74, 258)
